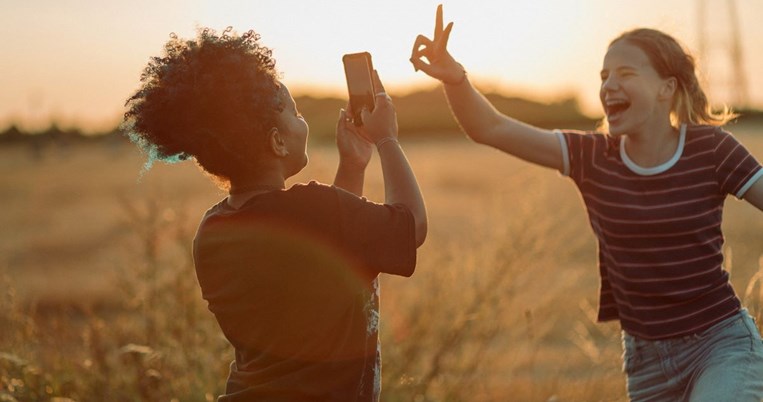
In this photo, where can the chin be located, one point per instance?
(616, 132)
(298, 167)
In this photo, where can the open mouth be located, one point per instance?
(616, 107)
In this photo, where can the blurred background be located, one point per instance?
(73, 63)
(98, 295)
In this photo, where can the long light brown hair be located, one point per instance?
(670, 59)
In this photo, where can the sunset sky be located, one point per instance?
(76, 61)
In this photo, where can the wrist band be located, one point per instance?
(386, 140)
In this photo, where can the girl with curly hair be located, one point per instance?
(653, 182)
(290, 274)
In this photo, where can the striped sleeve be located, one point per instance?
(565, 153)
(579, 149)
(735, 168)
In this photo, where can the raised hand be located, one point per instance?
(439, 63)
(382, 122)
(354, 149)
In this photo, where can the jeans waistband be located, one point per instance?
(680, 339)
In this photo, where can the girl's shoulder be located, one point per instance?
(595, 140)
(581, 132)
(585, 135)
(714, 134)
(705, 129)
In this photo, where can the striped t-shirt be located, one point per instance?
(659, 229)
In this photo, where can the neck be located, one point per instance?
(266, 178)
(242, 190)
(255, 186)
(652, 147)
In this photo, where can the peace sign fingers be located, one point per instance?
(439, 64)
(438, 23)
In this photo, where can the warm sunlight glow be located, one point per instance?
(78, 62)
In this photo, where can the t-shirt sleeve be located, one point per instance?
(382, 236)
(578, 149)
(735, 168)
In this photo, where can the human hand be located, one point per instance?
(354, 149)
(440, 64)
(382, 122)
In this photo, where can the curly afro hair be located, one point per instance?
(212, 99)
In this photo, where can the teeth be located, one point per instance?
(614, 106)
(616, 102)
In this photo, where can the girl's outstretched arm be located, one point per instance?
(474, 113)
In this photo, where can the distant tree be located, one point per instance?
(12, 135)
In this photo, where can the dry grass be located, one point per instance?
(99, 299)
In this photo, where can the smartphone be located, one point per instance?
(358, 71)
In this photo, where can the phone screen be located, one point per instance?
(357, 69)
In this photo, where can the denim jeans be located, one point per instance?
(722, 363)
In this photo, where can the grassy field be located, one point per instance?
(98, 298)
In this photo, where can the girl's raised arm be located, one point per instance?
(474, 113)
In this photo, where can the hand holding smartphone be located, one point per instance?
(358, 70)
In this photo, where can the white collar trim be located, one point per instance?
(659, 168)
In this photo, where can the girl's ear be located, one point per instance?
(669, 88)
(276, 143)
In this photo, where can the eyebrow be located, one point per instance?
(619, 68)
